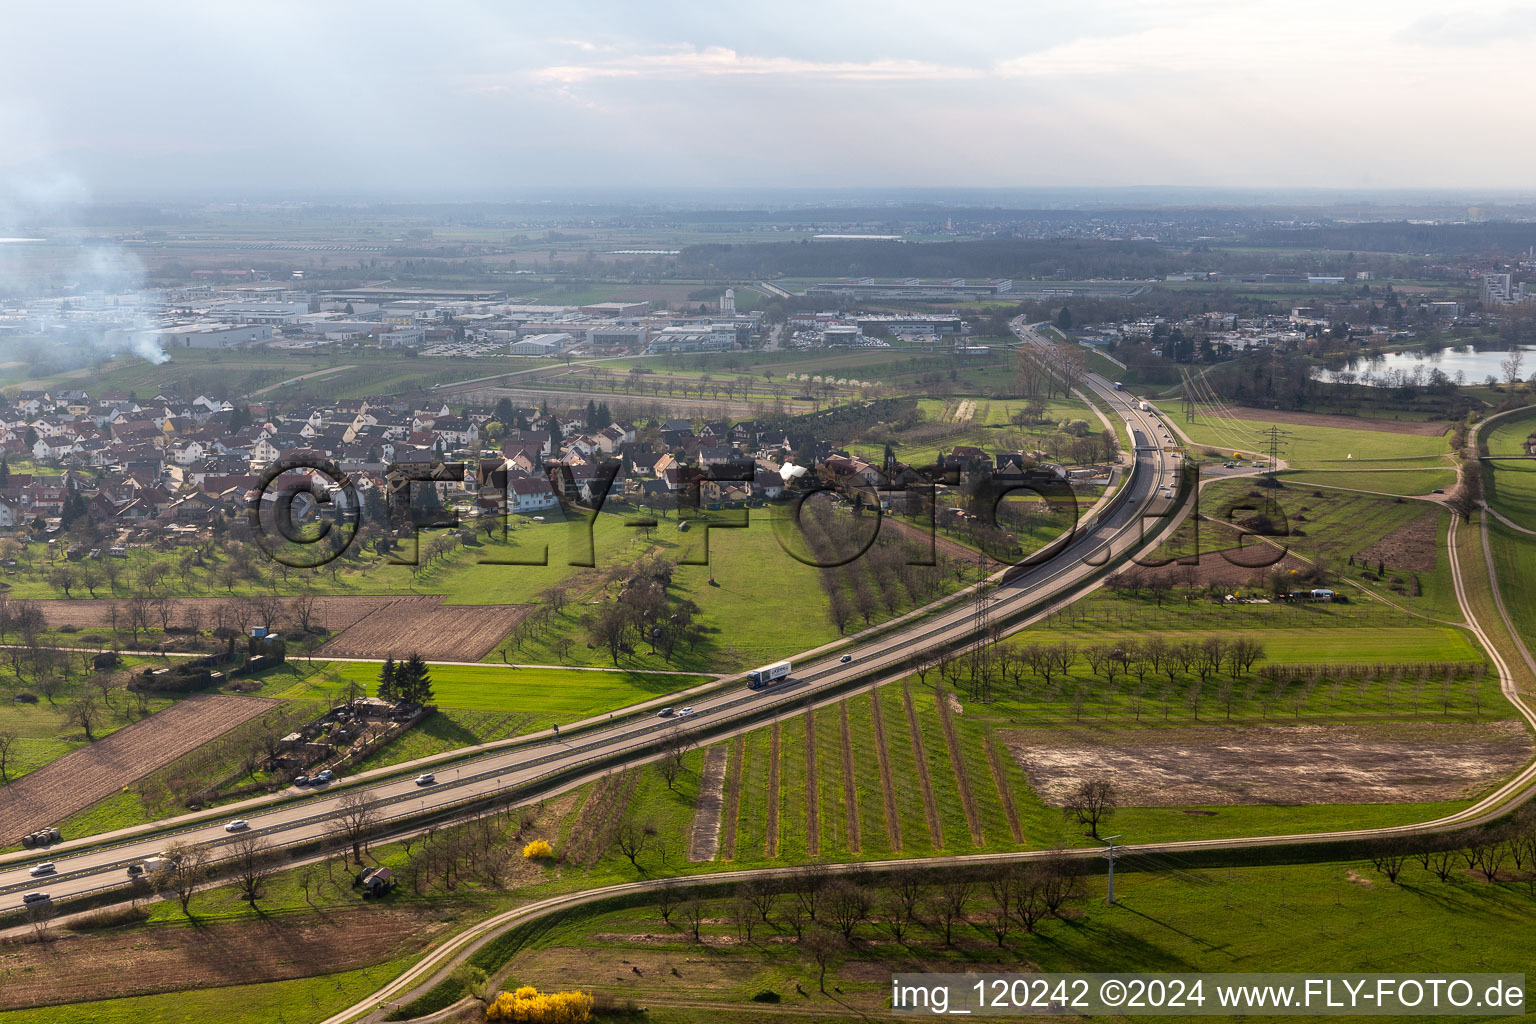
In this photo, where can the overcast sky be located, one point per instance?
(460, 96)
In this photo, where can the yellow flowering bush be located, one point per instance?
(538, 850)
(530, 1006)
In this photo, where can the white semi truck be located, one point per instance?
(768, 675)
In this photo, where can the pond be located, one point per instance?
(1462, 364)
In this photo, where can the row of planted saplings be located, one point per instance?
(42, 837)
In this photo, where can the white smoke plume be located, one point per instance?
(67, 298)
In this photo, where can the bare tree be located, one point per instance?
(632, 839)
(847, 905)
(950, 903)
(810, 882)
(356, 813)
(666, 899)
(8, 741)
(1092, 803)
(693, 914)
(895, 913)
(308, 879)
(268, 608)
(673, 765)
(185, 867)
(823, 947)
(761, 895)
(253, 862)
(1389, 855)
(1001, 885)
(86, 712)
(40, 916)
(1028, 897)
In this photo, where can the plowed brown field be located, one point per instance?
(425, 626)
(336, 613)
(171, 959)
(78, 779)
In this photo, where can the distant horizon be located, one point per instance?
(970, 197)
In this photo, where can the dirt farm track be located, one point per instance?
(82, 777)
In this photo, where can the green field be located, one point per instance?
(1510, 487)
(1385, 481)
(547, 692)
(358, 373)
(1309, 447)
(1308, 917)
(1508, 438)
(1350, 641)
(1514, 560)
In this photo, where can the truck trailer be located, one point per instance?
(767, 675)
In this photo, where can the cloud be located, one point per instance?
(720, 61)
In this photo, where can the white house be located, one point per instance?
(531, 494)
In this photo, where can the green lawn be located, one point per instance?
(1514, 560)
(1511, 489)
(1308, 446)
(1389, 481)
(546, 692)
(1508, 438)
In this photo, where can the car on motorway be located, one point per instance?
(425, 779)
(36, 897)
(323, 777)
(301, 780)
(685, 712)
(39, 870)
(845, 659)
(666, 712)
(238, 825)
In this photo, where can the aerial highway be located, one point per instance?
(1112, 528)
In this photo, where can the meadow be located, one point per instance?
(1308, 446)
(1385, 481)
(1340, 916)
(547, 692)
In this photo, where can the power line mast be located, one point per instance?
(1110, 853)
(1275, 441)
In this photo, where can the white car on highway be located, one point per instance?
(238, 825)
(685, 712)
(39, 870)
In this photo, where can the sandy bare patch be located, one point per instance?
(704, 838)
(1317, 419)
(1300, 764)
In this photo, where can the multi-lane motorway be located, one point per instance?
(1109, 530)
